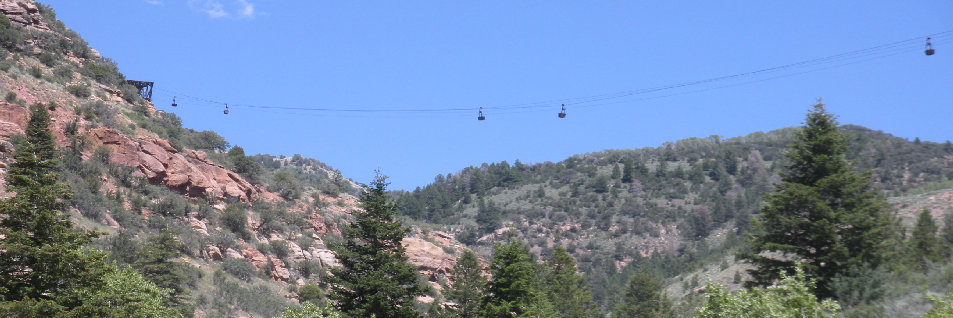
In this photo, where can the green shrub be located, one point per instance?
(234, 219)
(279, 248)
(63, 72)
(264, 248)
(79, 90)
(104, 71)
(99, 110)
(310, 293)
(47, 59)
(10, 37)
(307, 269)
(36, 72)
(791, 297)
(943, 307)
(286, 185)
(11, 97)
(240, 268)
(130, 93)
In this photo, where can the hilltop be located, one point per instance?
(672, 208)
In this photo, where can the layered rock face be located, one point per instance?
(23, 12)
(188, 171)
(430, 259)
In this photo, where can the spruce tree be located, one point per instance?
(822, 212)
(924, 245)
(628, 171)
(468, 286)
(566, 289)
(946, 236)
(374, 277)
(643, 297)
(157, 263)
(514, 289)
(43, 265)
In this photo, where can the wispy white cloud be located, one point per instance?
(247, 9)
(212, 8)
(218, 9)
(154, 2)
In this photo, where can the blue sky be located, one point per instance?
(376, 56)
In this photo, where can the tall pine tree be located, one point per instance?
(468, 286)
(514, 289)
(822, 212)
(374, 277)
(43, 265)
(924, 244)
(565, 288)
(643, 297)
(157, 261)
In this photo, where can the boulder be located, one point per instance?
(231, 253)
(198, 226)
(257, 258)
(214, 253)
(326, 257)
(278, 269)
(296, 254)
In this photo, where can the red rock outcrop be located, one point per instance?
(23, 12)
(188, 171)
(13, 119)
(278, 270)
(429, 258)
(257, 258)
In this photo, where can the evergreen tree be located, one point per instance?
(924, 243)
(488, 216)
(43, 265)
(243, 165)
(468, 286)
(126, 293)
(567, 292)
(946, 235)
(628, 171)
(643, 298)
(157, 263)
(514, 289)
(822, 212)
(374, 277)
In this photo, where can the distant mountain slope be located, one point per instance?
(685, 199)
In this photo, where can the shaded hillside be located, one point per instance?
(680, 202)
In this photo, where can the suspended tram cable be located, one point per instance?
(803, 67)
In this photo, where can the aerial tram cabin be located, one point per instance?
(562, 113)
(929, 48)
(480, 115)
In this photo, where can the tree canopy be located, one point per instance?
(374, 277)
(822, 212)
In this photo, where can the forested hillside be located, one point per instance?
(671, 209)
